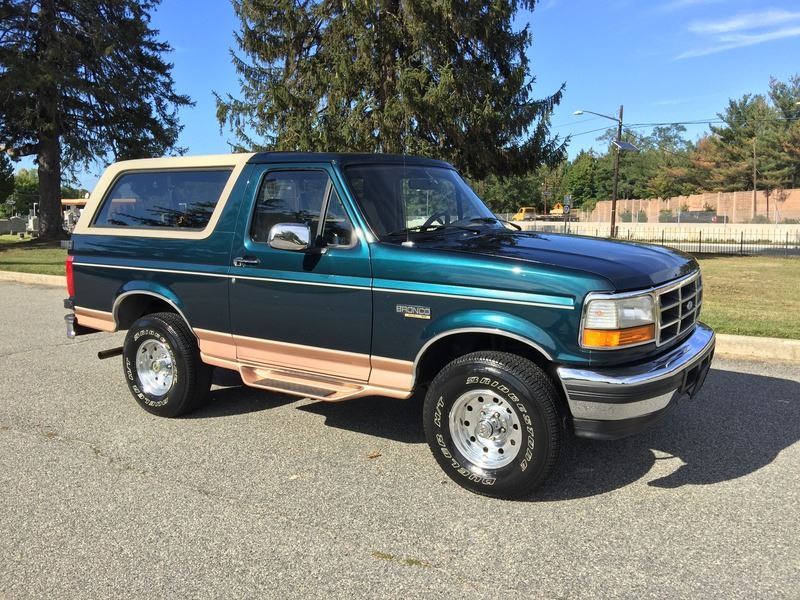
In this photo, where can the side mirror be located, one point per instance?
(290, 236)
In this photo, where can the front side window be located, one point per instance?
(301, 197)
(399, 198)
(163, 199)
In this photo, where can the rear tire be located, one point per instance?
(162, 365)
(492, 423)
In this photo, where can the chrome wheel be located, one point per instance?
(485, 429)
(154, 367)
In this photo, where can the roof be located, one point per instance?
(346, 158)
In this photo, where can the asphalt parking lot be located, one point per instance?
(261, 495)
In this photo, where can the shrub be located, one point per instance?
(665, 216)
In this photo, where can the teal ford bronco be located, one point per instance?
(339, 276)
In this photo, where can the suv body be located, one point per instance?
(338, 276)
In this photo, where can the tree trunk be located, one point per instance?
(49, 155)
(50, 217)
(390, 132)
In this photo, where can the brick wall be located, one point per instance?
(737, 206)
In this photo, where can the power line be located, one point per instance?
(576, 122)
(709, 122)
(693, 122)
(590, 131)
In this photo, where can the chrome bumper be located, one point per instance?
(619, 401)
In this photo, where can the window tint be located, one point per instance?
(428, 197)
(175, 199)
(299, 197)
(395, 198)
(337, 230)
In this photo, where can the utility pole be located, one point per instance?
(616, 175)
(755, 178)
(620, 146)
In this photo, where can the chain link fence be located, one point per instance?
(735, 240)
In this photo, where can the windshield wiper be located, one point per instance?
(432, 228)
(494, 220)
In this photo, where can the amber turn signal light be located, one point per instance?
(617, 338)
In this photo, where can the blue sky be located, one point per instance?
(665, 60)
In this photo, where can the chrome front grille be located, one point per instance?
(679, 308)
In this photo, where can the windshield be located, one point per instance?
(398, 199)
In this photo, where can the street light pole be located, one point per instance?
(616, 177)
(618, 144)
(755, 181)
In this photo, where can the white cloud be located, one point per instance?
(679, 4)
(732, 41)
(766, 18)
(548, 4)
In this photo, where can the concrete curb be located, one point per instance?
(728, 346)
(757, 348)
(34, 278)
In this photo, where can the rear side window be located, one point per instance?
(163, 199)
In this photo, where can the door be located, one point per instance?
(309, 311)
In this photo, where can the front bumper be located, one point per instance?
(619, 401)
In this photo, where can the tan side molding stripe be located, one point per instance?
(347, 365)
(216, 344)
(392, 373)
(95, 319)
(382, 374)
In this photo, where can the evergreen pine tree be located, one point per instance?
(444, 79)
(82, 81)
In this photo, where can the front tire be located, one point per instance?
(162, 365)
(492, 424)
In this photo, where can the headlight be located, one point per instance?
(618, 322)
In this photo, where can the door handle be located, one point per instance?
(245, 261)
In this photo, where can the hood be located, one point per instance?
(627, 265)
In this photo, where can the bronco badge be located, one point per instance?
(414, 312)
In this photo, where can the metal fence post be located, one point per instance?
(741, 242)
(662, 236)
(787, 243)
(700, 242)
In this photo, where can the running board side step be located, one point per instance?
(316, 387)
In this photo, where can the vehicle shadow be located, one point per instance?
(398, 420)
(231, 397)
(737, 424)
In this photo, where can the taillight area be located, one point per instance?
(70, 277)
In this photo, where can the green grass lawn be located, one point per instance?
(31, 256)
(743, 295)
(752, 295)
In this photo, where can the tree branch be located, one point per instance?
(20, 151)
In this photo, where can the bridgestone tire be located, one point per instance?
(180, 380)
(505, 393)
